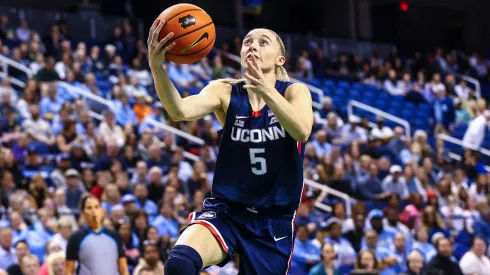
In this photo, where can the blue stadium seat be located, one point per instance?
(329, 83)
(340, 92)
(358, 86)
(343, 84)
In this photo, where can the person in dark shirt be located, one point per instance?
(443, 262)
(355, 235)
(21, 250)
(48, 74)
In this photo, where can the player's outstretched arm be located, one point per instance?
(192, 107)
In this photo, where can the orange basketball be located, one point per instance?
(194, 33)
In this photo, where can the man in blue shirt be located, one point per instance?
(7, 253)
(384, 235)
(481, 224)
(51, 104)
(305, 253)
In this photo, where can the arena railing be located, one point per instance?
(326, 190)
(466, 145)
(5, 62)
(378, 112)
(77, 92)
(313, 89)
(473, 81)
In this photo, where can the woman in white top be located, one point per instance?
(475, 261)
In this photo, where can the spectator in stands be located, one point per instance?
(143, 75)
(56, 263)
(371, 187)
(481, 223)
(322, 147)
(30, 265)
(123, 111)
(383, 234)
(463, 91)
(366, 261)
(395, 183)
(150, 259)
(352, 132)
(391, 84)
(381, 131)
(37, 127)
(305, 254)
(444, 113)
(345, 251)
(47, 73)
(462, 116)
(392, 223)
(141, 193)
(326, 266)
(110, 131)
(21, 250)
(141, 108)
(8, 95)
(73, 192)
(384, 255)
(181, 76)
(475, 261)
(415, 263)
(166, 223)
(355, 235)
(442, 262)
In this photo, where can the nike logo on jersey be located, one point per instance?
(273, 120)
(278, 239)
(241, 117)
(258, 135)
(201, 38)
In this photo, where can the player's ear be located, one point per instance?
(280, 60)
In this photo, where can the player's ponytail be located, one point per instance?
(281, 73)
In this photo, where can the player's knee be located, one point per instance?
(183, 260)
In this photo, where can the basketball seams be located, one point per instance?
(182, 35)
(188, 54)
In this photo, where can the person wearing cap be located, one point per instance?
(129, 203)
(352, 132)
(320, 235)
(345, 251)
(395, 183)
(58, 175)
(384, 235)
(73, 191)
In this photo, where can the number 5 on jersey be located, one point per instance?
(259, 166)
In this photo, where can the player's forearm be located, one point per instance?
(292, 119)
(168, 94)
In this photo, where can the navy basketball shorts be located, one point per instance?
(264, 243)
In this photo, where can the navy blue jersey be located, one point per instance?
(259, 164)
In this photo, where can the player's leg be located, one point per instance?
(205, 242)
(271, 254)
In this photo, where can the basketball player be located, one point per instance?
(259, 177)
(98, 250)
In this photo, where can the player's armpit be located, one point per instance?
(69, 267)
(204, 103)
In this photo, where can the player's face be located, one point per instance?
(263, 45)
(92, 212)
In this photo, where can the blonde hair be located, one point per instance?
(52, 258)
(279, 71)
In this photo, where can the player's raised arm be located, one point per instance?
(293, 111)
(192, 107)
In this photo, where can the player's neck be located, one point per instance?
(95, 227)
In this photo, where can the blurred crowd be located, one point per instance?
(413, 209)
